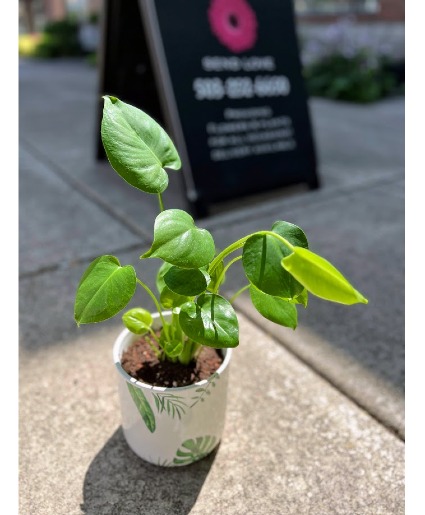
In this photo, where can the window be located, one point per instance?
(336, 6)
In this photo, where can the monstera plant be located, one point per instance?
(192, 313)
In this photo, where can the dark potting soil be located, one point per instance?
(140, 362)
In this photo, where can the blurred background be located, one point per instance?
(351, 49)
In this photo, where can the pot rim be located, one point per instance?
(117, 351)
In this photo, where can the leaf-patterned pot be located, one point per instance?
(171, 426)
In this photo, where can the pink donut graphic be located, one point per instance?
(234, 24)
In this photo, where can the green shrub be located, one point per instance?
(59, 39)
(360, 78)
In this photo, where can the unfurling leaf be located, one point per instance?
(320, 277)
(137, 320)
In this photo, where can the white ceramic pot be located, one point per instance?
(171, 426)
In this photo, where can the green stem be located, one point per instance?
(154, 336)
(189, 349)
(161, 203)
(156, 350)
(220, 279)
(238, 293)
(158, 307)
(278, 237)
(186, 354)
(175, 326)
(240, 243)
(231, 248)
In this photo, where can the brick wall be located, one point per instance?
(388, 11)
(391, 10)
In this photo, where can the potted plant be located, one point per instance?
(173, 364)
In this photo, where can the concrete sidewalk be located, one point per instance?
(331, 438)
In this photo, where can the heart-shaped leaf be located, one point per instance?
(277, 310)
(178, 241)
(210, 321)
(320, 277)
(168, 298)
(136, 146)
(105, 288)
(262, 256)
(137, 320)
(186, 281)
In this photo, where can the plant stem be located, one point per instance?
(220, 279)
(278, 237)
(189, 349)
(240, 243)
(187, 352)
(158, 307)
(154, 336)
(231, 248)
(161, 203)
(238, 293)
(176, 331)
(157, 351)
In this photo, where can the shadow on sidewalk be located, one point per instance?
(119, 482)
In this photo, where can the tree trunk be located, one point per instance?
(29, 16)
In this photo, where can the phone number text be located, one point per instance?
(262, 86)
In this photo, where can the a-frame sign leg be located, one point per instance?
(125, 66)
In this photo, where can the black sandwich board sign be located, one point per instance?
(224, 78)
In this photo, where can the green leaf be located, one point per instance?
(194, 449)
(136, 146)
(173, 349)
(291, 232)
(262, 256)
(104, 289)
(168, 298)
(178, 241)
(302, 298)
(163, 269)
(171, 300)
(172, 404)
(279, 311)
(143, 406)
(137, 320)
(186, 281)
(320, 277)
(211, 321)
